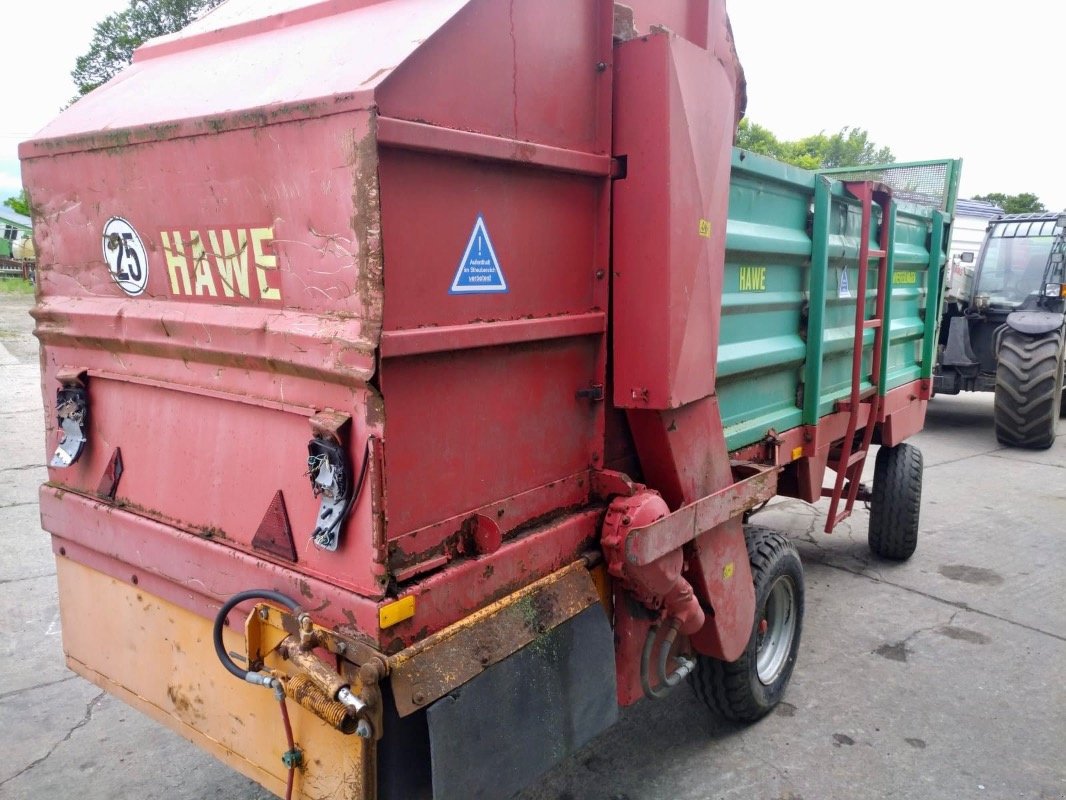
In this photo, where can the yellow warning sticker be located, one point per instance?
(797, 452)
(728, 570)
(705, 228)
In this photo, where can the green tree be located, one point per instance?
(19, 204)
(1024, 203)
(848, 148)
(117, 36)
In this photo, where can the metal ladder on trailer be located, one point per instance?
(848, 461)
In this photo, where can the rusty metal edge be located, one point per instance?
(449, 658)
(650, 542)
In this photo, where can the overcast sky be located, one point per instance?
(941, 79)
(968, 79)
(43, 38)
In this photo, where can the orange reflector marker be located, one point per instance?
(395, 613)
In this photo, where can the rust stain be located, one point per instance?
(438, 663)
(366, 226)
(187, 708)
(305, 589)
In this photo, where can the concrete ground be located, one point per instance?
(941, 678)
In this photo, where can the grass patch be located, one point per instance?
(15, 286)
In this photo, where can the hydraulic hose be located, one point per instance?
(666, 681)
(228, 606)
(645, 667)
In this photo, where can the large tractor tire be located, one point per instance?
(748, 688)
(896, 502)
(1028, 389)
(1062, 382)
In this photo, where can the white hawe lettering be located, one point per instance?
(263, 262)
(218, 262)
(205, 280)
(177, 263)
(231, 261)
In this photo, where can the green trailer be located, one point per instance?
(790, 330)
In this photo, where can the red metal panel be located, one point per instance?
(705, 24)
(199, 462)
(456, 536)
(216, 194)
(185, 569)
(473, 427)
(687, 18)
(543, 226)
(444, 338)
(267, 313)
(431, 139)
(492, 379)
(246, 65)
(669, 220)
(473, 583)
(545, 83)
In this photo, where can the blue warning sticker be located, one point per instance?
(844, 290)
(479, 268)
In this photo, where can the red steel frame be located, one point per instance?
(849, 464)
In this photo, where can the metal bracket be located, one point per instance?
(593, 393)
(331, 481)
(72, 416)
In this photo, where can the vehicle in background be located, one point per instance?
(968, 228)
(1003, 330)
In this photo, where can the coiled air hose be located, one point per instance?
(293, 757)
(228, 606)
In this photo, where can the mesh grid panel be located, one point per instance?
(920, 184)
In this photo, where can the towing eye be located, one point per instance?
(318, 687)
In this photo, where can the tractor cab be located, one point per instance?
(1008, 336)
(1015, 263)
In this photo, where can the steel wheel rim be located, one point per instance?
(775, 642)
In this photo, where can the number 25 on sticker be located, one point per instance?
(125, 255)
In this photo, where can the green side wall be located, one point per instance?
(787, 333)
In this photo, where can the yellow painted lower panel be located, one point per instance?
(159, 658)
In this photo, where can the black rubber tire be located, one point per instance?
(733, 689)
(896, 503)
(1062, 382)
(1028, 389)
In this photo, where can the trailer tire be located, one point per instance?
(748, 689)
(1028, 389)
(896, 503)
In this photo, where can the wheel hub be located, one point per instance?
(776, 630)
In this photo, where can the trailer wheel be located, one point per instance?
(896, 502)
(1028, 389)
(748, 688)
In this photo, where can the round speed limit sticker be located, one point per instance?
(125, 256)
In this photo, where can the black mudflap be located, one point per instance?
(494, 735)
